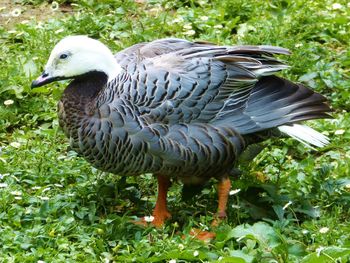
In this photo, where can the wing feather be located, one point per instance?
(191, 81)
(176, 81)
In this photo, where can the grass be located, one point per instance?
(54, 207)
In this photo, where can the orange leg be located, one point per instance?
(224, 187)
(160, 212)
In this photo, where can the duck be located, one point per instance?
(181, 110)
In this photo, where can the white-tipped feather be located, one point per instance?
(305, 135)
(267, 71)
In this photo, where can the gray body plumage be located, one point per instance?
(182, 109)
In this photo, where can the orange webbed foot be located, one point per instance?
(159, 217)
(220, 217)
(202, 235)
(160, 212)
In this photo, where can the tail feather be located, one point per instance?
(305, 135)
(274, 102)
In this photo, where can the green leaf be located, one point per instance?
(263, 233)
(279, 211)
(30, 68)
(44, 209)
(307, 77)
(328, 254)
(297, 249)
(234, 260)
(239, 254)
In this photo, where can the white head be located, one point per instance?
(77, 55)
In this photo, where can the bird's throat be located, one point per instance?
(86, 86)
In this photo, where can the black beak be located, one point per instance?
(43, 80)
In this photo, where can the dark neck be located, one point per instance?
(87, 85)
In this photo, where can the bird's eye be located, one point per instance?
(63, 56)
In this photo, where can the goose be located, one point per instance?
(178, 109)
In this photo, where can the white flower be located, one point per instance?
(47, 189)
(287, 205)
(16, 193)
(236, 207)
(187, 26)
(40, 261)
(16, 12)
(148, 219)
(54, 6)
(234, 191)
(59, 31)
(319, 250)
(40, 25)
(172, 261)
(58, 185)
(204, 18)
(304, 231)
(18, 197)
(347, 186)
(3, 185)
(298, 45)
(218, 26)
(339, 132)
(8, 102)
(337, 6)
(36, 187)
(204, 227)
(6, 174)
(181, 246)
(190, 32)
(44, 198)
(244, 28)
(178, 20)
(195, 253)
(324, 230)
(325, 133)
(155, 10)
(15, 144)
(240, 238)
